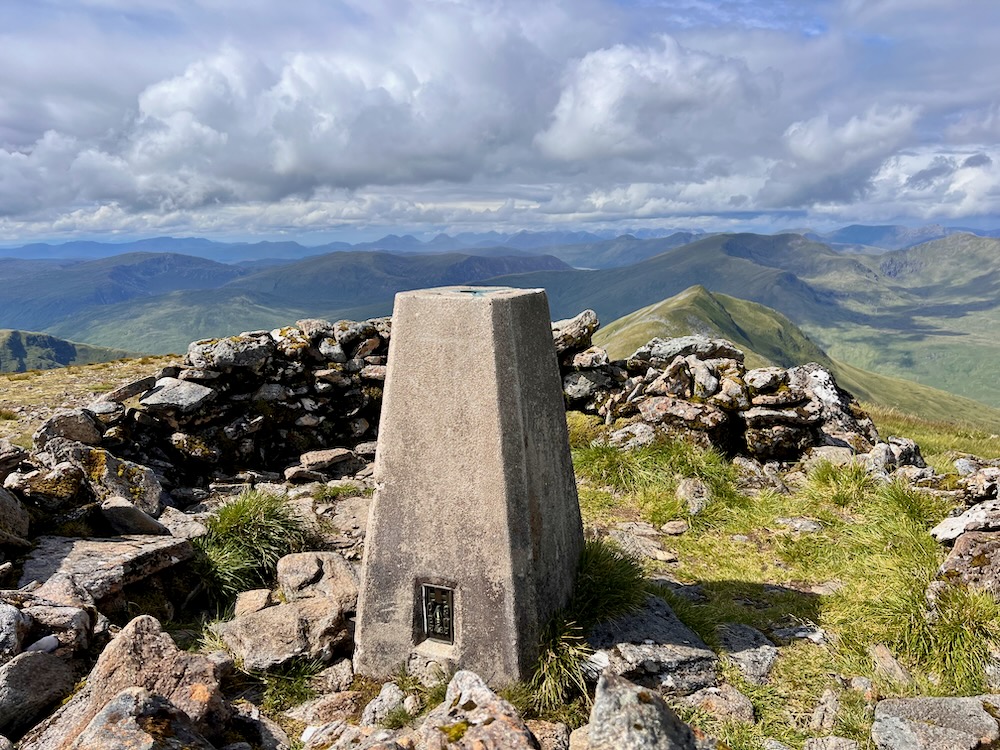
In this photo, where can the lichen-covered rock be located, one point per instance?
(51, 488)
(312, 628)
(14, 519)
(30, 683)
(574, 334)
(137, 719)
(141, 656)
(952, 723)
(109, 476)
(661, 352)
(974, 561)
(984, 516)
(629, 717)
(71, 424)
(250, 351)
(11, 456)
(172, 394)
(83, 571)
(473, 717)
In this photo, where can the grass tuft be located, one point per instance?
(246, 538)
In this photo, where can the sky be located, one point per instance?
(317, 120)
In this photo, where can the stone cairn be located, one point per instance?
(124, 481)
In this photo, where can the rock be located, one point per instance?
(49, 489)
(29, 684)
(139, 720)
(580, 386)
(338, 706)
(182, 525)
(661, 352)
(749, 649)
(68, 627)
(140, 656)
(628, 717)
(550, 735)
(778, 441)
(311, 628)
(806, 632)
(11, 456)
(98, 568)
(843, 421)
(825, 714)
(324, 459)
(303, 575)
(574, 334)
(640, 543)
(335, 678)
(473, 717)
(125, 518)
(889, 665)
(249, 351)
(128, 390)
(633, 436)
(301, 475)
(906, 452)
(974, 561)
(666, 409)
(675, 528)
(71, 424)
(14, 626)
(595, 356)
(174, 395)
(14, 519)
(800, 524)
(771, 744)
(936, 723)
(109, 476)
(251, 601)
(654, 648)
(765, 379)
(694, 493)
(724, 702)
(389, 699)
(830, 743)
(982, 517)
(339, 735)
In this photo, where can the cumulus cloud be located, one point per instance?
(215, 116)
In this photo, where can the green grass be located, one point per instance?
(648, 477)
(328, 494)
(246, 538)
(287, 686)
(872, 559)
(7, 414)
(608, 585)
(939, 440)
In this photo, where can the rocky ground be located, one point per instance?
(98, 514)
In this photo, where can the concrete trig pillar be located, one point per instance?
(474, 533)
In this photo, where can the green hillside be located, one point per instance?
(768, 337)
(21, 351)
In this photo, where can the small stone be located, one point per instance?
(749, 649)
(675, 528)
(251, 601)
(125, 518)
(825, 714)
(830, 743)
(389, 699)
(324, 459)
(889, 665)
(724, 702)
(800, 524)
(694, 493)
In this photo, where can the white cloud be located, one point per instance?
(221, 116)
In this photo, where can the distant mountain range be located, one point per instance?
(928, 312)
(579, 249)
(24, 350)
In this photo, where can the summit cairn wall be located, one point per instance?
(474, 533)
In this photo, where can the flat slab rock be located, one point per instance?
(654, 648)
(982, 517)
(67, 567)
(936, 723)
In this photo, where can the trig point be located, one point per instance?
(475, 532)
